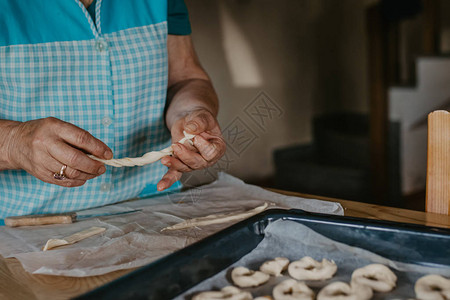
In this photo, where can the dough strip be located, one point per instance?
(72, 239)
(216, 219)
(147, 158)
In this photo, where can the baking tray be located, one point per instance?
(174, 274)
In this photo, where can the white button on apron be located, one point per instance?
(106, 121)
(105, 187)
(101, 45)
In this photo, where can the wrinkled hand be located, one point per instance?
(209, 146)
(41, 147)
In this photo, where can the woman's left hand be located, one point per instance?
(208, 146)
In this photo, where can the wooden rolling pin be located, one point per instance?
(45, 219)
(60, 218)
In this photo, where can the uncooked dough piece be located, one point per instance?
(339, 290)
(228, 292)
(263, 298)
(243, 277)
(147, 158)
(216, 218)
(72, 239)
(432, 287)
(275, 266)
(308, 268)
(291, 289)
(376, 276)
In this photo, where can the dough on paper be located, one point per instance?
(292, 289)
(228, 292)
(377, 276)
(147, 158)
(217, 218)
(432, 287)
(308, 268)
(275, 266)
(243, 277)
(72, 239)
(339, 290)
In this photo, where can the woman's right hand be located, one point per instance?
(41, 147)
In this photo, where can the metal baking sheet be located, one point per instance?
(175, 274)
(284, 238)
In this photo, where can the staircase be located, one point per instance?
(338, 163)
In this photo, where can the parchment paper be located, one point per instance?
(133, 240)
(294, 241)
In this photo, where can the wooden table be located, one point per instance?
(15, 283)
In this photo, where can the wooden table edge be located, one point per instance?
(379, 212)
(28, 285)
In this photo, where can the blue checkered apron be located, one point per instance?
(113, 86)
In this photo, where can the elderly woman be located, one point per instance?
(98, 77)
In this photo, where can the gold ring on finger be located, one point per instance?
(60, 175)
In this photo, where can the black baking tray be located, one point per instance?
(174, 274)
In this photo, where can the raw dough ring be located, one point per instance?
(244, 277)
(376, 276)
(339, 290)
(308, 268)
(228, 292)
(432, 287)
(291, 289)
(275, 266)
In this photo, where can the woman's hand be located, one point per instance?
(41, 147)
(192, 106)
(209, 146)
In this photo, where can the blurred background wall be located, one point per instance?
(308, 56)
(278, 65)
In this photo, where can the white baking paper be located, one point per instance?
(135, 239)
(294, 241)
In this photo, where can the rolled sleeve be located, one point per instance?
(178, 18)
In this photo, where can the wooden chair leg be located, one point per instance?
(438, 163)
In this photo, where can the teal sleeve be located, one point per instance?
(178, 18)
